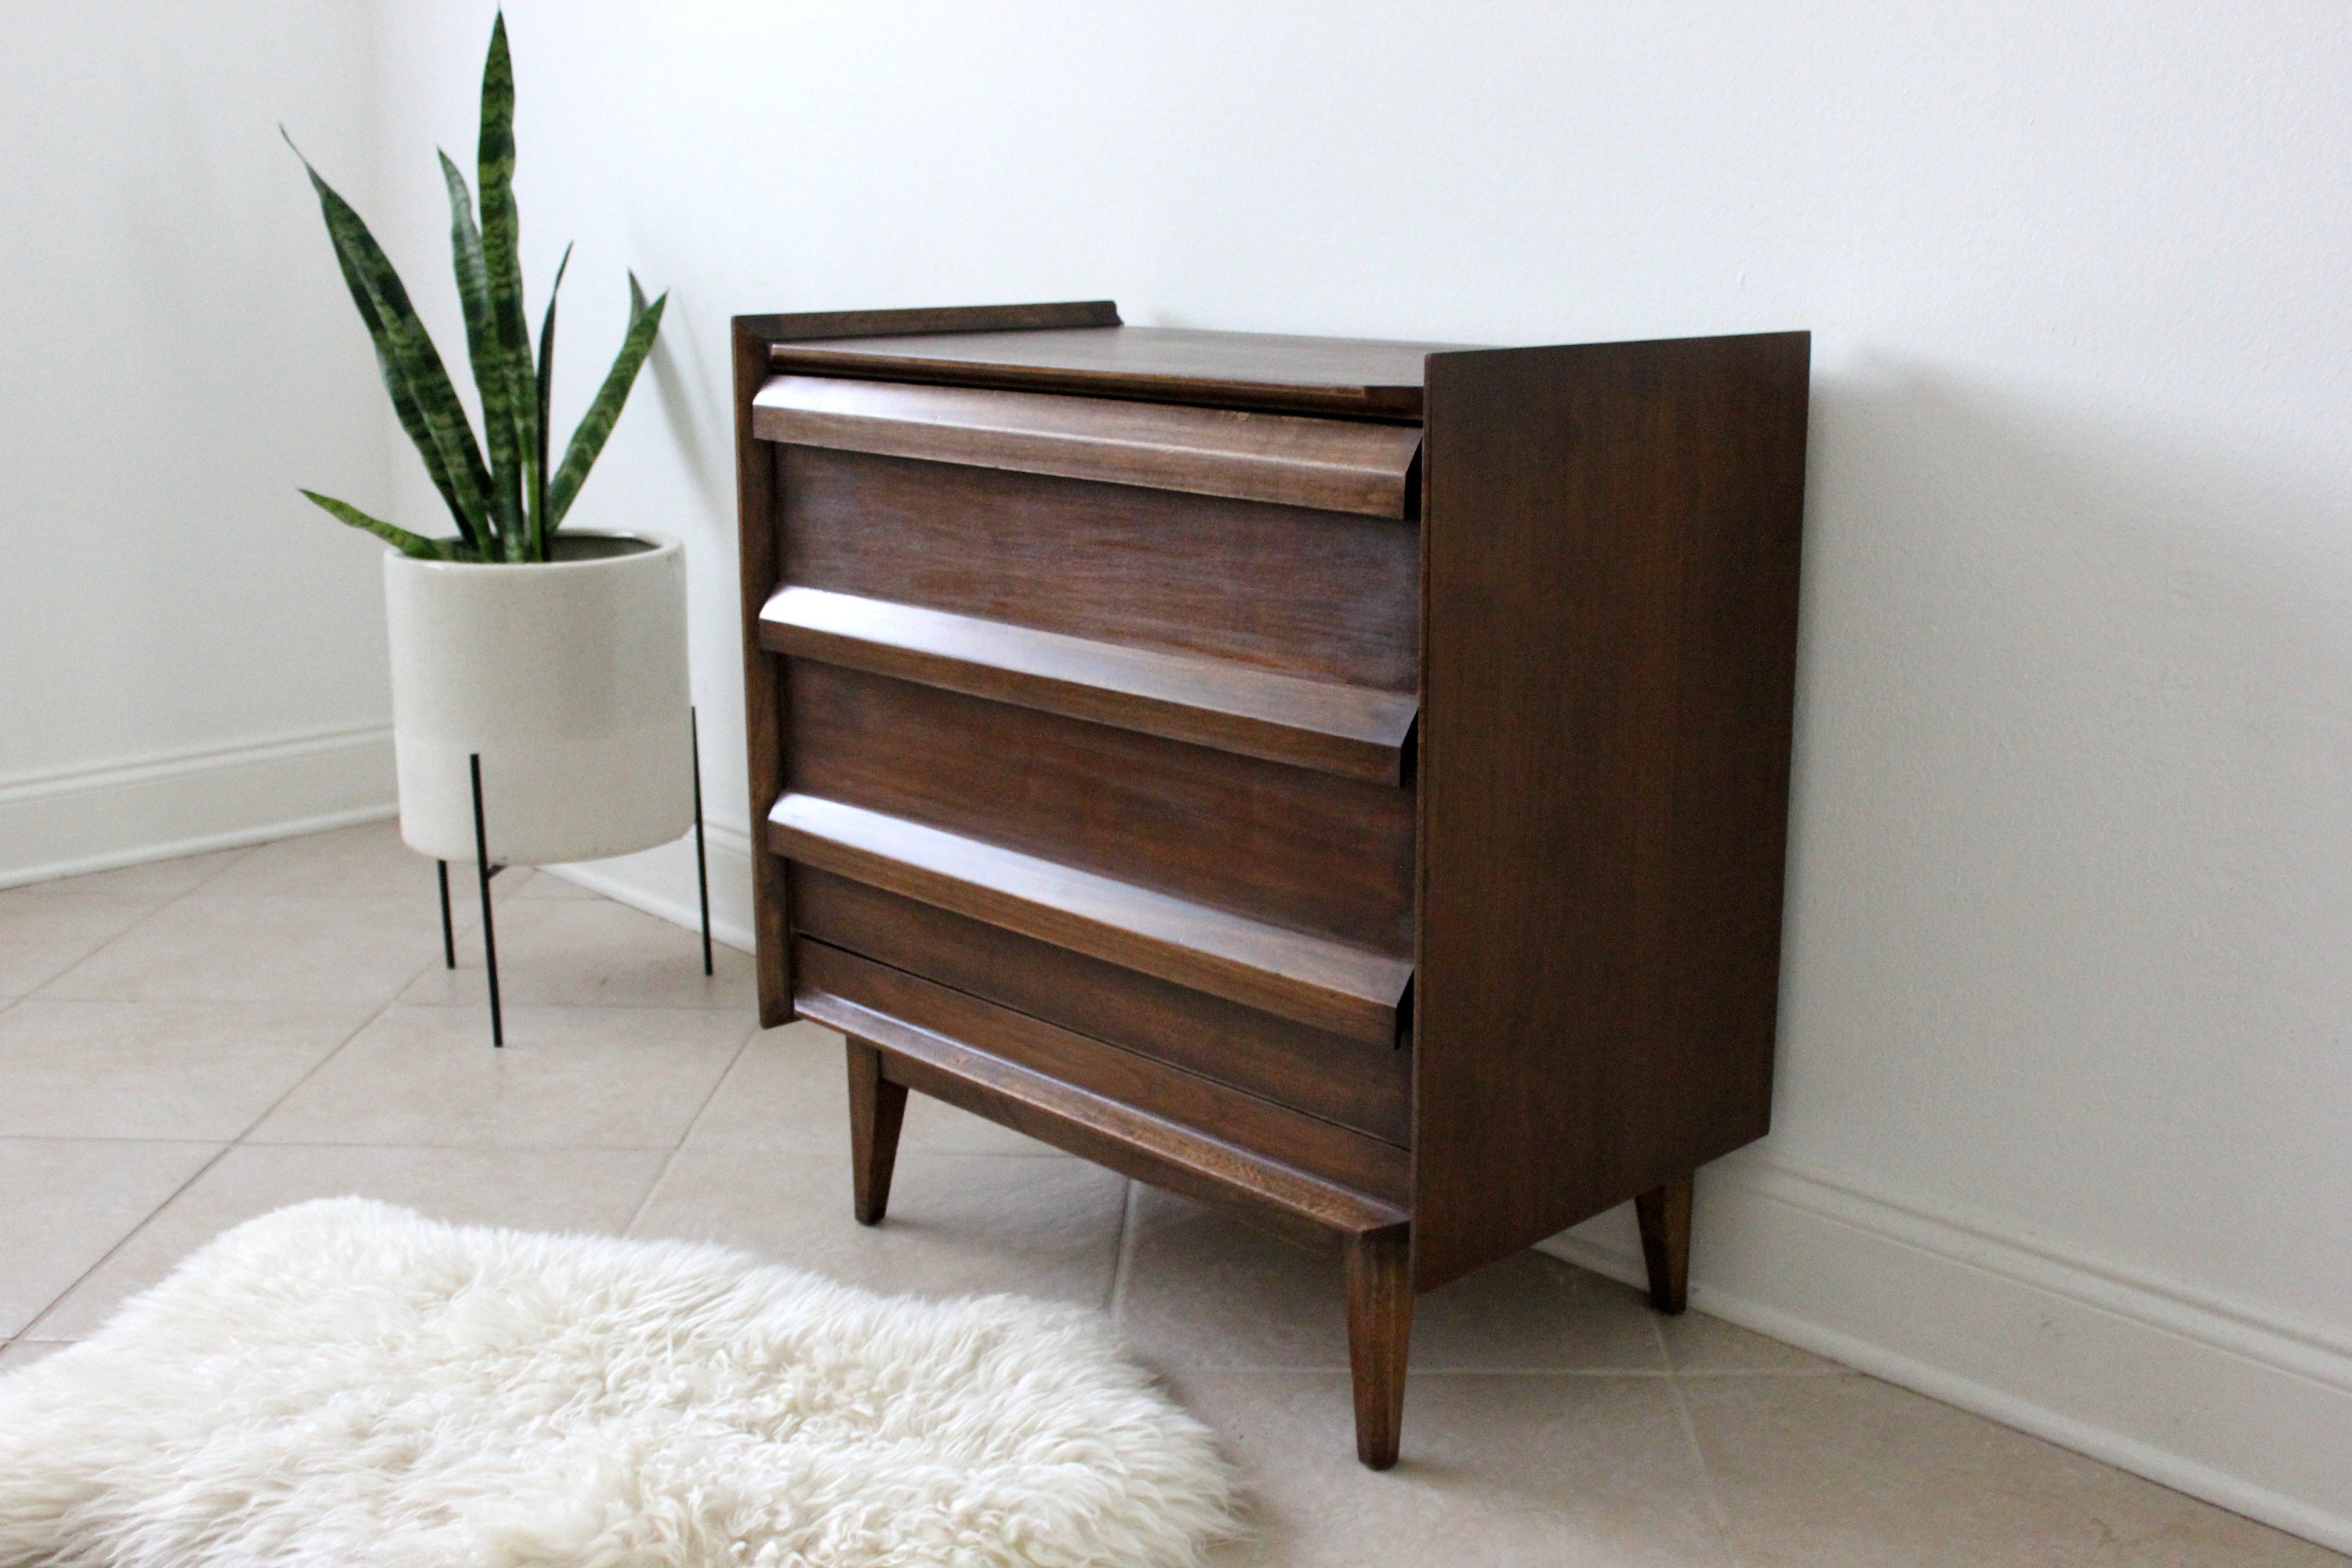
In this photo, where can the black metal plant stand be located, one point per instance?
(484, 872)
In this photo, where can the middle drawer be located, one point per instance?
(1311, 852)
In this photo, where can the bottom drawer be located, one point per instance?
(1365, 1086)
(1201, 1105)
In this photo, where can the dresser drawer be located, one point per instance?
(1326, 595)
(1118, 1077)
(1356, 1084)
(1330, 856)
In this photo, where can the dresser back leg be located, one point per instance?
(1666, 1216)
(1379, 1330)
(877, 1108)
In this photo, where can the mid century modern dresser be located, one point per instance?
(1342, 780)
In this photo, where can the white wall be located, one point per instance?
(2064, 1126)
(193, 655)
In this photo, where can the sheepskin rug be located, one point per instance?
(346, 1383)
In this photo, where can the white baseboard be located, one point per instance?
(70, 821)
(661, 882)
(2219, 1398)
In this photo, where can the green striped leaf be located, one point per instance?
(539, 526)
(482, 346)
(413, 372)
(596, 425)
(502, 264)
(408, 543)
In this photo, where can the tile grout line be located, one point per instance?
(321, 1066)
(678, 1146)
(221, 1152)
(134, 925)
(1717, 1514)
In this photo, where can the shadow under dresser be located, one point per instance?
(1342, 780)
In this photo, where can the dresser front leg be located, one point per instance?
(877, 1108)
(1666, 1216)
(1379, 1330)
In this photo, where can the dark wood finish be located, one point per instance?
(1410, 881)
(1664, 1212)
(1318, 594)
(1354, 732)
(1330, 856)
(877, 1109)
(1360, 1164)
(754, 338)
(1333, 465)
(1167, 1154)
(994, 320)
(763, 732)
(1380, 1334)
(1346, 990)
(1613, 536)
(1349, 376)
(1358, 1085)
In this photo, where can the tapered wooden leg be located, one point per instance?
(1379, 1330)
(877, 1108)
(1666, 1216)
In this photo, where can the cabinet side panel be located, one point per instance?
(1612, 539)
(756, 525)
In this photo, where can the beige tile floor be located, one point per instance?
(185, 1045)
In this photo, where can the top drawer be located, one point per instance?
(1330, 465)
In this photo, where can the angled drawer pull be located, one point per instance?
(1243, 1122)
(1331, 465)
(1352, 731)
(1312, 980)
(1121, 1136)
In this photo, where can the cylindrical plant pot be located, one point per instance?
(568, 678)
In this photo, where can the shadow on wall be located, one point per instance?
(2070, 874)
(702, 427)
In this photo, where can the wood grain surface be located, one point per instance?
(1325, 595)
(1613, 536)
(759, 522)
(1259, 1126)
(1307, 1208)
(1346, 990)
(1328, 856)
(1352, 1082)
(1352, 731)
(1359, 376)
(1333, 465)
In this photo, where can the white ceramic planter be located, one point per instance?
(570, 681)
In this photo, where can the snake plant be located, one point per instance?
(507, 500)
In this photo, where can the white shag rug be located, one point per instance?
(346, 1383)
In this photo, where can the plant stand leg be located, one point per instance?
(448, 931)
(701, 858)
(484, 871)
(876, 1110)
(1380, 1334)
(1666, 1216)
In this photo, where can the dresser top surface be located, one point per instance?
(1359, 375)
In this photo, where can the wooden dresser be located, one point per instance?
(1341, 781)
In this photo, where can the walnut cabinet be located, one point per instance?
(1341, 781)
